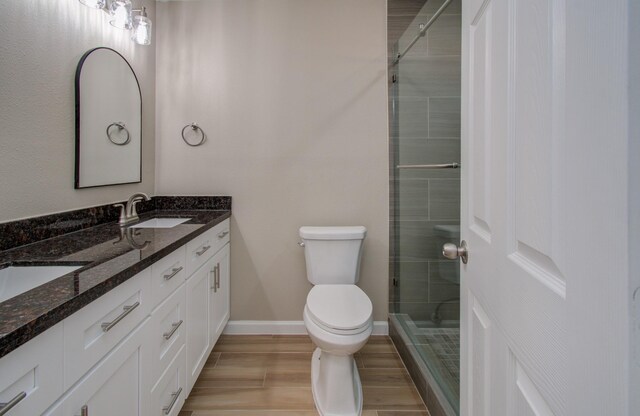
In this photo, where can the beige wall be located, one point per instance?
(42, 42)
(292, 96)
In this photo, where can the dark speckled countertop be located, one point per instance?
(108, 258)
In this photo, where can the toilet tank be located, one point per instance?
(333, 254)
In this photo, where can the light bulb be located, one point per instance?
(141, 30)
(120, 10)
(95, 4)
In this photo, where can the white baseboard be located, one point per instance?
(284, 328)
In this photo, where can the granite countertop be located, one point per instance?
(108, 255)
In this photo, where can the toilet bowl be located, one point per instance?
(337, 315)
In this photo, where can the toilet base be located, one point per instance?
(336, 386)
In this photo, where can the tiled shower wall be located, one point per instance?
(426, 130)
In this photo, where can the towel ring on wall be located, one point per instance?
(194, 127)
(120, 125)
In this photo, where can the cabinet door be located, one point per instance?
(31, 375)
(197, 322)
(117, 385)
(219, 307)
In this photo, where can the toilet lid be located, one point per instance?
(339, 306)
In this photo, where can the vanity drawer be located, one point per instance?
(32, 374)
(201, 248)
(93, 331)
(168, 395)
(168, 331)
(167, 274)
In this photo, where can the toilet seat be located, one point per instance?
(340, 309)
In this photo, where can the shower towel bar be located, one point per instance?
(454, 165)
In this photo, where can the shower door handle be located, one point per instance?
(452, 252)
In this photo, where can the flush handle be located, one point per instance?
(452, 252)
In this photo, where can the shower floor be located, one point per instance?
(439, 347)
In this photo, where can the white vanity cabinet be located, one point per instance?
(135, 351)
(207, 299)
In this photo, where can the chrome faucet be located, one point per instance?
(128, 213)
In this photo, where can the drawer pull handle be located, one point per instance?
(215, 270)
(218, 277)
(106, 326)
(173, 273)
(174, 328)
(222, 234)
(203, 250)
(174, 399)
(5, 407)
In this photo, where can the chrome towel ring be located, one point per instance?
(120, 125)
(194, 128)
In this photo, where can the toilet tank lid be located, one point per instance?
(355, 232)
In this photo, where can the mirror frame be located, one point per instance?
(77, 97)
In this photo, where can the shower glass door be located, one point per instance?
(425, 131)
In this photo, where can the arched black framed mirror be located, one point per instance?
(108, 120)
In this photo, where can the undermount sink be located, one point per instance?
(160, 223)
(15, 280)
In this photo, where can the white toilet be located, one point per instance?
(338, 316)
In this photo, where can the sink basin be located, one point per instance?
(160, 223)
(15, 280)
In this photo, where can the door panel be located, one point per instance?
(512, 186)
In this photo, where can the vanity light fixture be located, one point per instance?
(121, 16)
(95, 4)
(142, 28)
(120, 11)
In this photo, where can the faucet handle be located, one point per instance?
(123, 215)
(134, 212)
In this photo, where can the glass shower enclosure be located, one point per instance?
(425, 187)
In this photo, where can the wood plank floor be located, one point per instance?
(271, 375)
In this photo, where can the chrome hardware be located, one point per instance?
(174, 328)
(120, 125)
(218, 277)
(301, 243)
(129, 213)
(452, 252)
(423, 27)
(123, 215)
(173, 273)
(5, 407)
(222, 234)
(454, 165)
(194, 127)
(204, 249)
(84, 410)
(174, 399)
(126, 310)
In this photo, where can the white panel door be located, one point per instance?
(533, 340)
